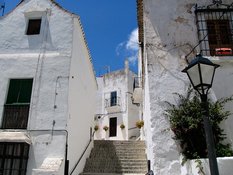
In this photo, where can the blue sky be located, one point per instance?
(110, 27)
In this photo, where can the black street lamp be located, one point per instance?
(201, 74)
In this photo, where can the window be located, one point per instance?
(17, 105)
(113, 101)
(34, 26)
(13, 158)
(215, 31)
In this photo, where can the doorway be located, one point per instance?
(113, 127)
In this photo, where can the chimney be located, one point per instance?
(126, 66)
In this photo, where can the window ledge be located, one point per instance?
(220, 58)
(15, 137)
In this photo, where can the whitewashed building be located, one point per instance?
(116, 108)
(46, 91)
(171, 33)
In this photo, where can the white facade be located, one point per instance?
(64, 85)
(167, 33)
(115, 106)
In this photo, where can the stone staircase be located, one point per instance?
(116, 157)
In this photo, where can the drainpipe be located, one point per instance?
(66, 170)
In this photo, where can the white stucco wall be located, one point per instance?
(61, 91)
(133, 109)
(170, 33)
(82, 91)
(51, 16)
(122, 82)
(223, 83)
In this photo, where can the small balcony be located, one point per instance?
(113, 105)
(137, 90)
(15, 116)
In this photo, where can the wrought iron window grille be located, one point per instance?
(218, 4)
(13, 158)
(215, 29)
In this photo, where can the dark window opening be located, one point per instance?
(113, 127)
(34, 26)
(13, 158)
(19, 91)
(113, 101)
(17, 105)
(219, 35)
(215, 31)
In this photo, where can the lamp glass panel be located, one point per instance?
(193, 73)
(207, 72)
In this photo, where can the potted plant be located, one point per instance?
(140, 124)
(122, 126)
(105, 128)
(96, 127)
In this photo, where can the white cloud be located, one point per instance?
(119, 48)
(133, 59)
(129, 48)
(132, 43)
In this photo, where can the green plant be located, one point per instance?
(96, 127)
(187, 124)
(122, 126)
(105, 128)
(140, 124)
(200, 167)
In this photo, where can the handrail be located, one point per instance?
(80, 158)
(150, 172)
(133, 128)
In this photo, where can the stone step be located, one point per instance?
(115, 164)
(119, 151)
(116, 170)
(107, 151)
(122, 161)
(118, 143)
(125, 172)
(119, 148)
(115, 153)
(112, 174)
(117, 156)
(113, 167)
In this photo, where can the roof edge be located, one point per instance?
(52, 1)
(140, 20)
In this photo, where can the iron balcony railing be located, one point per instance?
(137, 82)
(15, 116)
(115, 101)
